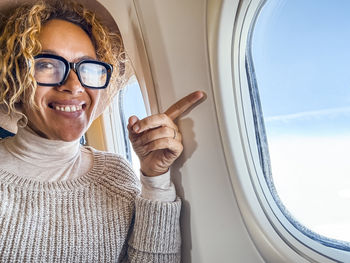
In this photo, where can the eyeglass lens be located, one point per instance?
(49, 70)
(93, 75)
(52, 71)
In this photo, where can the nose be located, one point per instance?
(72, 84)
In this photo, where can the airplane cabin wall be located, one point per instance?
(173, 61)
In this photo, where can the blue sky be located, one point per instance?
(133, 101)
(133, 104)
(301, 53)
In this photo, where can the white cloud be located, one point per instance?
(311, 175)
(332, 112)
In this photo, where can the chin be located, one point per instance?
(68, 133)
(70, 137)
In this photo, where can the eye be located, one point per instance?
(49, 70)
(44, 66)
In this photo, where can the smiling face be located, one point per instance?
(65, 111)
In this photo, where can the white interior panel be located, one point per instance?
(174, 34)
(176, 43)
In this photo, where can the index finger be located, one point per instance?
(184, 104)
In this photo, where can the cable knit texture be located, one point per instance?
(87, 219)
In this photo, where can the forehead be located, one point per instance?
(66, 39)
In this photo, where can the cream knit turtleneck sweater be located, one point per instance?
(58, 210)
(51, 161)
(44, 160)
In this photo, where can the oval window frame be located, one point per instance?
(276, 238)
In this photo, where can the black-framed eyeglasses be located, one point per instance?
(53, 70)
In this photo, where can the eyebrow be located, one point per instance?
(49, 51)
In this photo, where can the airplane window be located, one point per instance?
(298, 67)
(130, 102)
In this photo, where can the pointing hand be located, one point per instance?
(156, 139)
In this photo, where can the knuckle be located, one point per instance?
(135, 144)
(149, 147)
(166, 131)
(143, 150)
(163, 117)
(146, 138)
(170, 132)
(142, 140)
(145, 122)
(168, 141)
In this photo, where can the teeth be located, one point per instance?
(69, 108)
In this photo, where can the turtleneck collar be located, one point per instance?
(29, 147)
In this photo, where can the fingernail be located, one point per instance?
(136, 128)
(133, 120)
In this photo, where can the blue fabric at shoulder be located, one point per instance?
(4, 133)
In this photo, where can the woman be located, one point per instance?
(59, 201)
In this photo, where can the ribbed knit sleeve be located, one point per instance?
(156, 233)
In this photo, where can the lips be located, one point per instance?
(67, 106)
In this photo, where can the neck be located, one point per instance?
(30, 147)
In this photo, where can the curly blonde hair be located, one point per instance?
(19, 44)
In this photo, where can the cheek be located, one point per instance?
(40, 95)
(39, 100)
(94, 97)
